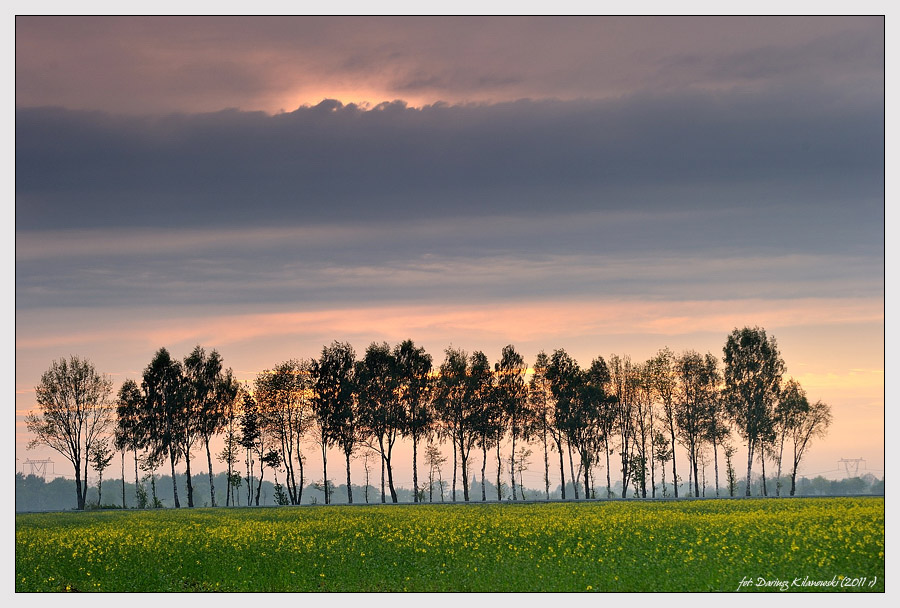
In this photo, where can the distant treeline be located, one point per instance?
(33, 493)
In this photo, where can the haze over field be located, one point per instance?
(263, 186)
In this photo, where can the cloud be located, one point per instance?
(337, 163)
(198, 64)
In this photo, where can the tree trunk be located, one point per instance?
(483, 467)
(325, 473)
(546, 464)
(674, 472)
(572, 470)
(778, 473)
(499, 471)
(587, 483)
(190, 486)
(454, 467)
(302, 480)
(262, 474)
(716, 464)
(381, 453)
(749, 464)
(512, 466)
(136, 478)
(349, 486)
(100, 490)
(696, 478)
(562, 470)
(463, 462)
(608, 481)
(762, 459)
(415, 473)
(390, 473)
(174, 485)
(793, 480)
(212, 490)
(123, 479)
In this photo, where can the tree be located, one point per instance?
(643, 426)
(333, 404)
(513, 398)
(229, 453)
(664, 385)
(163, 388)
(602, 409)
(456, 407)
(698, 379)
(482, 399)
(730, 474)
(718, 429)
(100, 456)
(250, 440)
(414, 391)
(792, 405)
(813, 422)
(434, 459)
(73, 412)
(562, 372)
(539, 397)
(382, 416)
(284, 395)
(663, 454)
(623, 385)
(128, 434)
(208, 390)
(753, 371)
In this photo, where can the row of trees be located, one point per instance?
(638, 412)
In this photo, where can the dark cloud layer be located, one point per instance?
(809, 148)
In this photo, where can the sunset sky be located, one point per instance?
(263, 186)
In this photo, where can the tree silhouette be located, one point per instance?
(72, 414)
(753, 370)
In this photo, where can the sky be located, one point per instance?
(264, 186)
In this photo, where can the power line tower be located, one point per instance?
(851, 466)
(39, 467)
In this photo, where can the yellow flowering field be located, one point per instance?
(773, 545)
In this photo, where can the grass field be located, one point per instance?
(816, 544)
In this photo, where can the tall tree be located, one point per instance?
(753, 371)
(694, 405)
(791, 406)
(249, 438)
(813, 422)
(414, 391)
(540, 398)
(285, 397)
(128, 434)
(230, 451)
(564, 375)
(664, 385)
(163, 388)
(481, 395)
(382, 416)
(602, 410)
(207, 390)
(334, 404)
(513, 398)
(643, 426)
(623, 385)
(73, 412)
(456, 408)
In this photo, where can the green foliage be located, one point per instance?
(281, 497)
